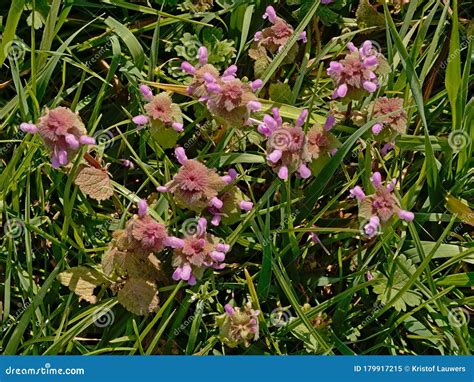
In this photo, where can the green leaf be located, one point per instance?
(434, 187)
(14, 14)
(129, 39)
(453, 71)
(458, 279)
(387, 286)
(281, 92)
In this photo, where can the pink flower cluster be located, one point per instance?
(275, 37)
(197, 187)
(226, 96)
(160, 111)
(197, 252)
(62, 132)
(239, 325)
(376, 209)
(356, 74)
(192, 254)
(393, 117)
(146, 234)
(286, 144)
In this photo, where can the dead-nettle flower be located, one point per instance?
(394, 117)
(377, 209)
(357, 73)
(160, 111)
(194, 186)
(320, 141)
(145, 234)
(275, 37)
(131, 262)
(197, 187)
(227, 97)
(238, 325)
(62, 132)
(195, 253)
(286, 145)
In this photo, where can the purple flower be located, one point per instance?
(238, 325)
(286, 145)
(227, 97)
(270, 14)
(378, 208)
(146, 92)
(142, 207)
(370, 229)
(356, 74)
(197, 253)
(28, 128)
(62, 132)
(194, 186)
(140, 120)
(161, 112)
(391, 115)
(245, 206)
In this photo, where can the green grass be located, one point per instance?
(92, 56)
